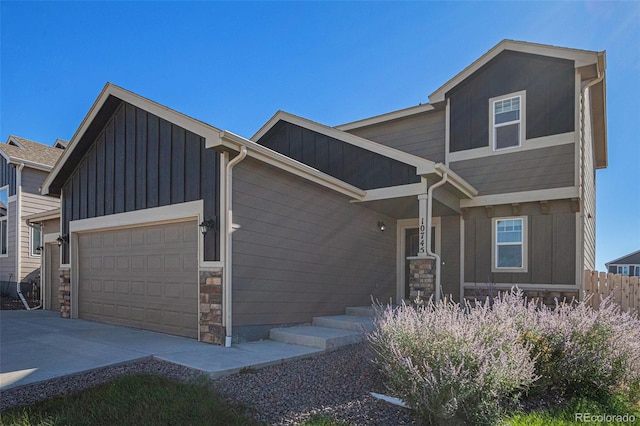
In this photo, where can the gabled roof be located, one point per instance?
(110, 98)
(101, 110)
(629, 259)
(33, 154)
(423, 166)
(60, 143)
(581, 57)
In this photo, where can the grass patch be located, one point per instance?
(323, 421)
(614, 405)
(133, 400)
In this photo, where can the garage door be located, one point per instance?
(145, 277)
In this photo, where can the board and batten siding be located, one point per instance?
(421, 134)
(550, 97)
(7, 175)
(450, 256)
(302, 250)
(551, 245)
(140, 161)
(351, 164)
(529, 170)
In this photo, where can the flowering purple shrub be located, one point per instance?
(450, 364)
(467, 364)
(582, 351)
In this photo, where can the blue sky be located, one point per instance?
(233, 65)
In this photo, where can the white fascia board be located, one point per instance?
(390, 192)
(42, 216)
(581, 58)
(393, 115)
(266, 155)
(332, 132)
(191, 124)
(457, 181)
(30, 164)
(15, 141)
(522, 197)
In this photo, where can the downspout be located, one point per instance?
(39, 227)
(430, 250)
(228, 280)
(583, 92)
(18, 232)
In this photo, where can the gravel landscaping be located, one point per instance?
(334, 385)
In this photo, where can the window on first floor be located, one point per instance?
(507, 121)
(4, 211)
(35, 241)
(509, 244)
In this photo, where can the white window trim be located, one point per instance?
(31, 245)
(6, 219)
(523, 114)
(525, 244)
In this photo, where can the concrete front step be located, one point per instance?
(317, 337)
(345, 322)
(360, 311)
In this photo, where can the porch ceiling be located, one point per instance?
(406, 207)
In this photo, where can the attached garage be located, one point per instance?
(143, 277)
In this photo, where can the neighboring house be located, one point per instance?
(24, 165)
(625, 265)
(494, 178)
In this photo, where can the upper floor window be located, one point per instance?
(507, 120)
(510, 244)
(4, 211)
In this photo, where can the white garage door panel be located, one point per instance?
(143, 277)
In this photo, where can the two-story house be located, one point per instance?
(24, 165)
(173, 225)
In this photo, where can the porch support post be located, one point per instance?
(425, 225)
(421, 265)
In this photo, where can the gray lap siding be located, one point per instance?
(527, 170)
(303, 250)
(421, 134)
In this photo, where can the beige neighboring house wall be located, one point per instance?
(31, 162)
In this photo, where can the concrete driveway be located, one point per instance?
(39, 345)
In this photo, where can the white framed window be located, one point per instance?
(4, 213)
(623, 270)
(506, 120)
(35, 241)
(509, 251)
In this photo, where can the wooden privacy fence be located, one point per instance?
(625, 290)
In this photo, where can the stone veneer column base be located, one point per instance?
(64, 293)
(211, 329)
(421, 278)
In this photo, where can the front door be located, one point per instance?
(411, 241)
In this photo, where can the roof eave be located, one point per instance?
(228, 141)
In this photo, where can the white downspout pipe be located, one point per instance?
(228, 280)
(19, 232)
(583, 92)
(430, 250)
